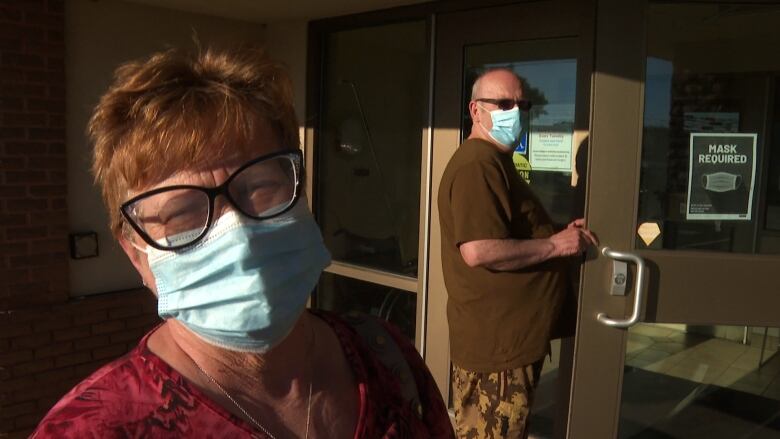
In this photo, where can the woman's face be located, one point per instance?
(212, 174)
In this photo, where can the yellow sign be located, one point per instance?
(648, 232)
(522, 166)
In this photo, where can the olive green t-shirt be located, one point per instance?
(498, 319)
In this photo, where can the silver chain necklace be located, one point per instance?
(250, 417)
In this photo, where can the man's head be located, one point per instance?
(493, 91)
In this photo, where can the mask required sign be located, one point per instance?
(722, 176)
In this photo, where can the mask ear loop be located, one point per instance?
(139, 248)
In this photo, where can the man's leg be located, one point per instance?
(493, 405)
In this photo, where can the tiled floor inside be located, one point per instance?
(686, 384)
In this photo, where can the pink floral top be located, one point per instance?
(141, 396)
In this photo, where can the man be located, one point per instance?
(505, 268)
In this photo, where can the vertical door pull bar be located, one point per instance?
(639, 288)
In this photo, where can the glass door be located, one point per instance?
(549, 45)
(683, 181)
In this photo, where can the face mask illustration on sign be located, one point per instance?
(721, 181)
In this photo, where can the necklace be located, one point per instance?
(238, 406)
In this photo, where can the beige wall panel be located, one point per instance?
(100, 36)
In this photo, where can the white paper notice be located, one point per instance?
(551, 151)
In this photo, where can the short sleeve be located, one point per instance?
(480, 203)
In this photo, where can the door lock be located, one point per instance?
(619, 278)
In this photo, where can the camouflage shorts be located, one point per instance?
(493, 405)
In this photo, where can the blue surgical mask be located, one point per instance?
(246, 283)
(506, 126)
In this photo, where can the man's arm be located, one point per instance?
(515, 254)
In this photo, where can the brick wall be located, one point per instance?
(48, 342)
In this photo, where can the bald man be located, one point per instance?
(505, 267)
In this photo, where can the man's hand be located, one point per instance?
(572, 240)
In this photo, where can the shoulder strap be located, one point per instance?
(389, 353)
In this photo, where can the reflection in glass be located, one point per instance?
(684, 381)
(708, 85)
(544, 154)
(342, 294)
(369, 145)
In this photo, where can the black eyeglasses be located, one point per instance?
(508, 104)
(173, 217)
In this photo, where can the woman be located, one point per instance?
(197, 158)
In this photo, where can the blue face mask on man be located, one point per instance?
(244, 285)
(506, 126)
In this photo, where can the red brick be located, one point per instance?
(47, 190)
(72, 333)
(44, 19)
(8, 14)
(72, 359)
(57, 177)
(28, 33)
(47, 163)
(18, 384)
(22, 233)
(50, 105)
(54, 350)
(17, 248)
(16, 219)
(12, 75)
(52, 245)
(131, 336)
(145, 321)
(27, 421)
(55, 376)
(5, 345)
(12, 163)
(24, 119)
(89, 317)
(9, 192)
(126, 311)
(10, 44)
(86, 369)
(108, 327)
(24, 90)
(8, 103)
(56, 120)
(15, 357)
(46, 133)
(12, 133)
(55, 91)
(42, 76)
(12, 411)
(109, 352)
(35, 260)
(38, 289)
(31, 341)
(24, 60)
(56, 63)
(15, 329)
(58, 204)
(15, 276)
(25, 148)
(26, 205)
(57, 148)
(32, 367)
(55, 36)
(6, 425)
(54, 322)
(12, 177)
(91, 342)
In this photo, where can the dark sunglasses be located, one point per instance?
(508, 104)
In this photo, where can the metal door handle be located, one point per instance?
(639, 288)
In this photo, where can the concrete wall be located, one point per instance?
(100, 36)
